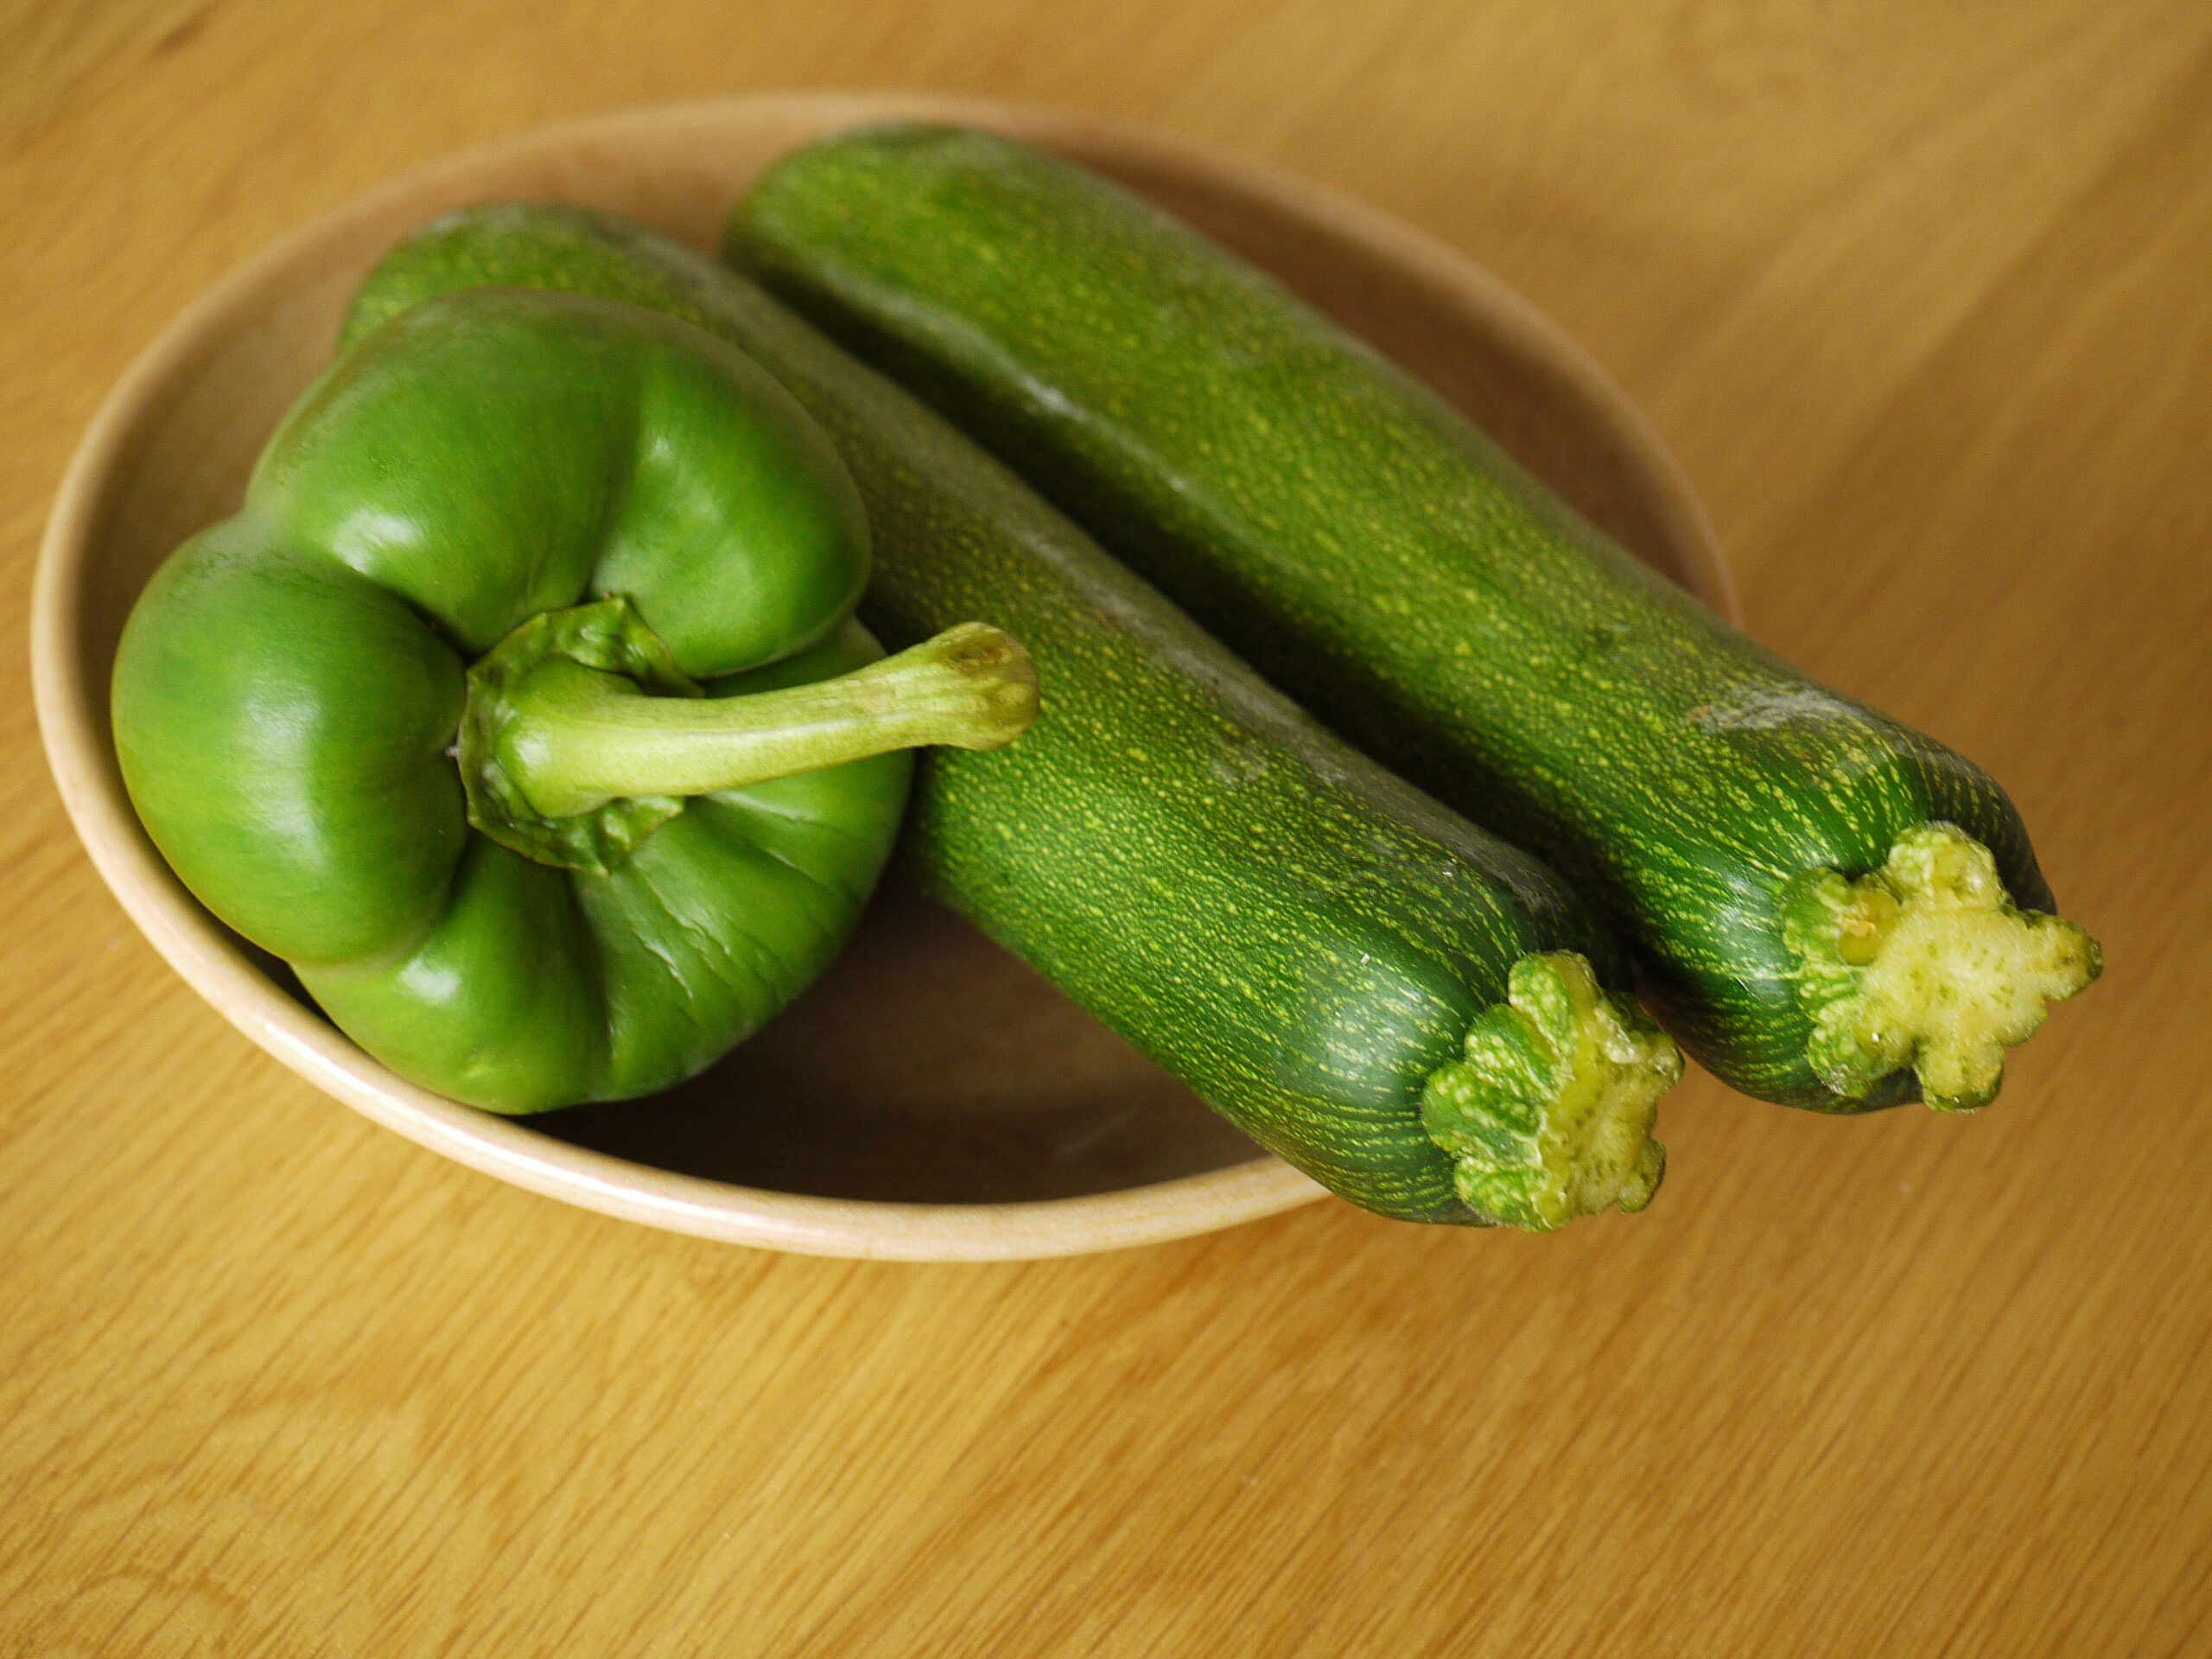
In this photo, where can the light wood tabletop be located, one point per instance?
(1920, 296)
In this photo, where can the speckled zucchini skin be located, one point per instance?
(1360, 542)
(1273, 917)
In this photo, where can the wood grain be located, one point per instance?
(1918, 294)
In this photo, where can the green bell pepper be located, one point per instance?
(505, 710)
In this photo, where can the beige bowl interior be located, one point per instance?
(931, 1099)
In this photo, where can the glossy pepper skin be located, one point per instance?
(288, 693)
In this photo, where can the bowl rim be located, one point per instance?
(82, 760)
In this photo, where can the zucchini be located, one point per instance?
(1398, 1004)
(1829, 909)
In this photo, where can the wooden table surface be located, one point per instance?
(1921, 296)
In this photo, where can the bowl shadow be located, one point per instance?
(929, 1066)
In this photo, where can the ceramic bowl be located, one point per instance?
(931, 1099)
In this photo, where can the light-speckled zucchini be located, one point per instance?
(1830, 909)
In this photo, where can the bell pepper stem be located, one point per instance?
(580, 735)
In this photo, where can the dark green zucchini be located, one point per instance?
(1829, 909)
(1395, 1002)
